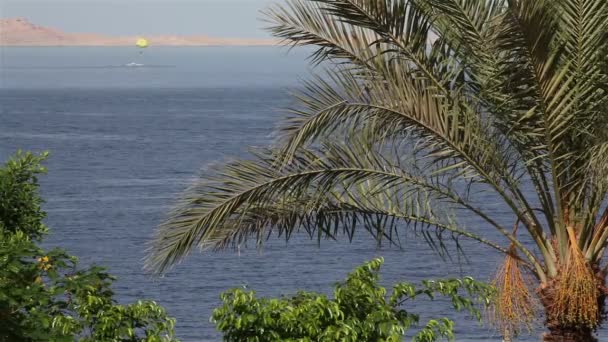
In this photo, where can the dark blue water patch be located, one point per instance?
(119, 158)
(122, 149)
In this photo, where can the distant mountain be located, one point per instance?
(20, 32)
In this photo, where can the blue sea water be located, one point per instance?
(125, 141)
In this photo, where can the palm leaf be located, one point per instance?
(423, 104)
(322, 193)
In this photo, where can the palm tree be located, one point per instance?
(425, 107)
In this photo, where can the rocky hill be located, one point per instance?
(21, 32)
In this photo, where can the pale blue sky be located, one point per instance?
(219, 18)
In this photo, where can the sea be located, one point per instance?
(125, 141)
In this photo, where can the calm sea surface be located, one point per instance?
(125, 141)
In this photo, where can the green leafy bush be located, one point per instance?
(362, 310)
(44, 295)
(20, 203)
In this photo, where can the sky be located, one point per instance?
(217, 18)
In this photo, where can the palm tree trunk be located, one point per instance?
(570, 332)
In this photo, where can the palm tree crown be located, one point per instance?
(422, 105)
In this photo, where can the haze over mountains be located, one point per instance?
(21, 32)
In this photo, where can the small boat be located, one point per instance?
(133, 64)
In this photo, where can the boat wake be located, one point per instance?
(133, 64)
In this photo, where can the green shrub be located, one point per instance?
(44, 295)
(362, 310)
(20, 203)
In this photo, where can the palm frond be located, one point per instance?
(323, 193)
(422, 99)
(302, 22)
(450, 134)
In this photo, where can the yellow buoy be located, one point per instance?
(142, 43)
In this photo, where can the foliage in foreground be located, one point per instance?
(427, 111)
(362, 310)
(44, 295)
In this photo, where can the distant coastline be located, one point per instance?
(21, 32)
